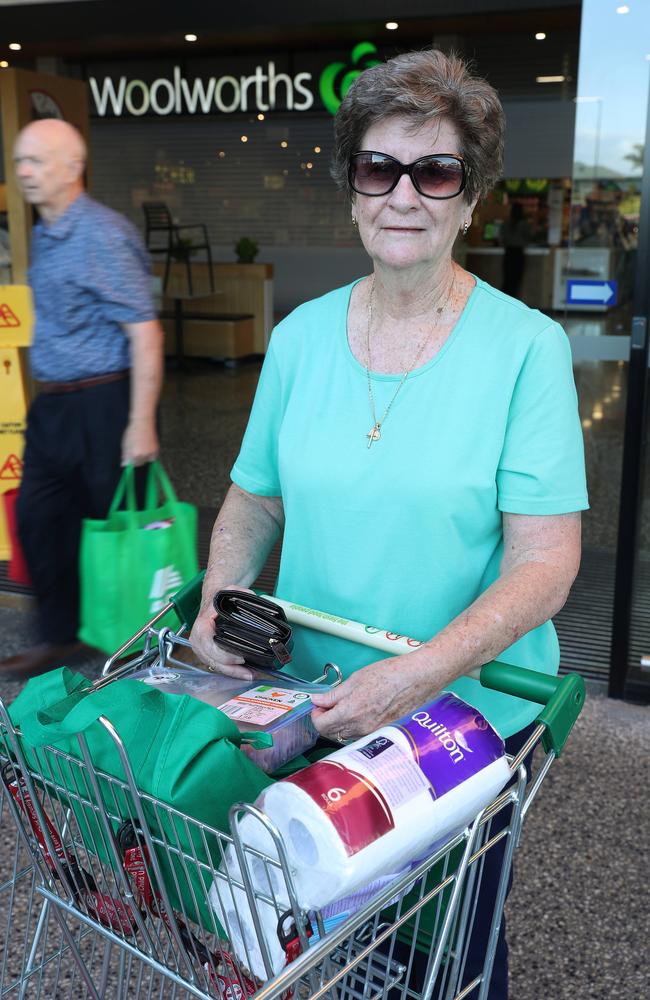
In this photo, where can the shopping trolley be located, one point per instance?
(86, 911)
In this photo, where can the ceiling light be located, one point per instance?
(540, 36)
(244, 138)
(221, 154)
(3, 64)
(284, 143)
(260, 117)
(309, 166)
(191, 38)
(317, 149)
(16, 46)
(550, 79)
(623, 9)
(392, 25)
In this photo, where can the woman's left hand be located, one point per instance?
(372, 697)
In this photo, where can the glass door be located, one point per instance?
(630, 660)
(600, 289)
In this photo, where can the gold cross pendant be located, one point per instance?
(374, 435)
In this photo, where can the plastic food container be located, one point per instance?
(211, 688)
(282, 710)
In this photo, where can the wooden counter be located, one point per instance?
(239, 289)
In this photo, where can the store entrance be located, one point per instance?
(600, 279)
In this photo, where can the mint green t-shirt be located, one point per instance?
(406, 534)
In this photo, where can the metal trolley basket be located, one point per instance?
(85, 910)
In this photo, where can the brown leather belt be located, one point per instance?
(81, 383)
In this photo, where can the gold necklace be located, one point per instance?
(375, 431)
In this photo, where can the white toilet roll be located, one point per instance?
(233, 912)
(267, 877)
(374, 806)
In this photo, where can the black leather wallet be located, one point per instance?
(252, 627)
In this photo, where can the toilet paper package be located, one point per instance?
(377, 804)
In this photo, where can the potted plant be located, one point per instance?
(246, 250)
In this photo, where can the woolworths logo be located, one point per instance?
(337, 78)
(264, 90)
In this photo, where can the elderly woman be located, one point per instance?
(414, 434)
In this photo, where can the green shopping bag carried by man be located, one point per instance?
(132, 562)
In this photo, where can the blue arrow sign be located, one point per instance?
(587, 292)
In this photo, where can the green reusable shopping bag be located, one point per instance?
(128, 569)
(182, 751)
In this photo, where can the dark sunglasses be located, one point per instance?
(441, 175)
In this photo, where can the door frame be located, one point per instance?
(633, 455)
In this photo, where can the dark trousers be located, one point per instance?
(71, 470)
(478, 941)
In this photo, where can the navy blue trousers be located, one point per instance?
(71, 470)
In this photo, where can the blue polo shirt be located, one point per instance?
(406, 534)
(89, 275)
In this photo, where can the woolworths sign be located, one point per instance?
(265, 89)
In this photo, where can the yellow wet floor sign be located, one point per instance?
(16, 321)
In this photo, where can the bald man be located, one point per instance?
(97, 359)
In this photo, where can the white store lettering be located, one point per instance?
(171, 97)
(227, 81)
(144, 97)
(263, 90)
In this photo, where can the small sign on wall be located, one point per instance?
(590, 292)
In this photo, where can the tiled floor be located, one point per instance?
(204, 414)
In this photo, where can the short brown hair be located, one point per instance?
(424, 86)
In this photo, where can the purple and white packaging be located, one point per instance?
(374, 806)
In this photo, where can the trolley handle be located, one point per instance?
(562, 697)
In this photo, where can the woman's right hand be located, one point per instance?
(245, 531)
(217, 659)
